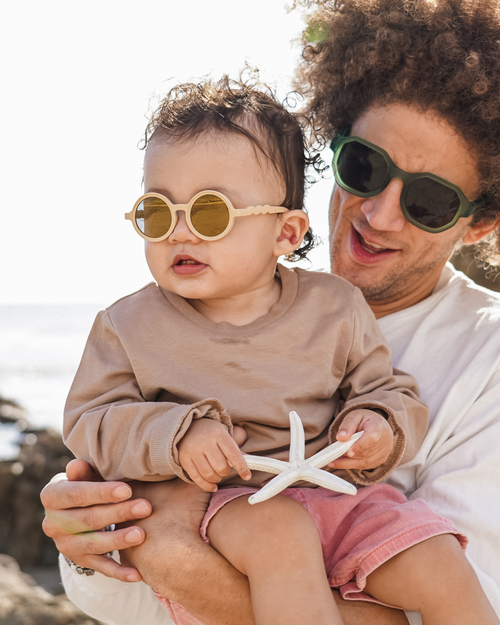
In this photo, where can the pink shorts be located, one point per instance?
(358, 533)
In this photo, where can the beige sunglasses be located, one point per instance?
(210, 215)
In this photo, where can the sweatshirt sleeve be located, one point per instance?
(108, 423)
(371, 382)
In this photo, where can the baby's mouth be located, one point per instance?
(186, 265)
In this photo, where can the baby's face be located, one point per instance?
(244, 259)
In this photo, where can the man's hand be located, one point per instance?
(78, 504)
(207, 452)
(373, 448)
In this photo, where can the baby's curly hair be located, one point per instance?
(435, 55)
(245, 107)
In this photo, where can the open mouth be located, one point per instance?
(187, 261)
(185, 265)
(366, 251)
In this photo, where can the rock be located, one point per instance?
(42, 454)
(11, 412)
(22, 602)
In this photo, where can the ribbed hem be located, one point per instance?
(368, 477)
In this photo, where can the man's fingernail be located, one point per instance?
(342, 433)
(132, 578)
(141, 509)
(350, 453)
(122, 492)
(133, 536)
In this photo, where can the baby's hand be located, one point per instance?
(373, 448)
(205, 452)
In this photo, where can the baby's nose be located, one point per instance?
(182, 233)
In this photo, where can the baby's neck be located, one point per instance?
(240, 309)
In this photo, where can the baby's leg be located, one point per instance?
(276, 545)
(435, 579)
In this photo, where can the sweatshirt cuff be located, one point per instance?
(167, 435)
(366, 477)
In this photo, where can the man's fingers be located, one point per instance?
(81, 471)
(110, 568)
(77, 520)
(82, 546)
(63, 494)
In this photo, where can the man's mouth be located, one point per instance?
(368, 252)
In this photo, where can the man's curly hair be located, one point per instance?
(435, 55)
(248, 108)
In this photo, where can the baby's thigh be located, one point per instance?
(278, 529)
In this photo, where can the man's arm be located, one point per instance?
(175, 561)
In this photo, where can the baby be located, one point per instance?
(226, 342)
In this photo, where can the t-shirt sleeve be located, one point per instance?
(108, 423)
(371, 382)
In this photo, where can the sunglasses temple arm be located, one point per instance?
(259, 210)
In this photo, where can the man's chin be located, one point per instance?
(376, 284)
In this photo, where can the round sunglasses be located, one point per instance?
(427, 201)
(210, 215)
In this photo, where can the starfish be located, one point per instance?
(298, 468)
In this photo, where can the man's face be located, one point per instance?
(372, 245)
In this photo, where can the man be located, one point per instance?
(403, 87)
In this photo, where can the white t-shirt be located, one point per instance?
(450, 342)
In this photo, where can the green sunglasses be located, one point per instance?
(427, 201)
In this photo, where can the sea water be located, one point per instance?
(40, 349)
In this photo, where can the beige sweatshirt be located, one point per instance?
(152, 364)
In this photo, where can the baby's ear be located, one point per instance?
(294, 224)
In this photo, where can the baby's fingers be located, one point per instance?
(197, 473)
(351, 424)
(235, 458)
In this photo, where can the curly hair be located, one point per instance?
(434, 55)
(247, 108)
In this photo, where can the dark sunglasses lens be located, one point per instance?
(210, 215)
(153, 217)
(362, 168)
(431, 203)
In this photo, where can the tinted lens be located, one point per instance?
(431, 203)
(210, 215)
(153, 217)
(362, 168)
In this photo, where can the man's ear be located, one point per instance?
(478, 231)
(293, 225)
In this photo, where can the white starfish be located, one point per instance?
(297, 468)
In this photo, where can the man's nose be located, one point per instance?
(383, 211)
(181, 233)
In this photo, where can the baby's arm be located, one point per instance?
(115, 419)
(207, 452)
(371, 384)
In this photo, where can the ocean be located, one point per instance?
(40, 349)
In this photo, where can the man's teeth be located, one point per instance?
(371, 247)
(188, 261)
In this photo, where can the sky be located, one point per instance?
(78, 78)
